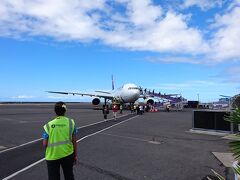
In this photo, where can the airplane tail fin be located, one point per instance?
(112, 83)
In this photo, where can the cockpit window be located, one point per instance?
(133, 88)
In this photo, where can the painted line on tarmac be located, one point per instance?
(134, 138)
(106, 129)
(15, 147)
(41, 160)
(126, 137)
(8, 119)
(24, 169)
(100, 122)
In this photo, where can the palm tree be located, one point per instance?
(234, 118)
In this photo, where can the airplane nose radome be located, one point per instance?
(136, 94)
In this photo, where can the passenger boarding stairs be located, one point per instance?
(173, 98)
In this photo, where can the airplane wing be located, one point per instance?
(100, 94)
(225, 96)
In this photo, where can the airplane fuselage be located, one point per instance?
(128, 93)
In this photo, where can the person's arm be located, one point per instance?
(45, 139)
(45, 143)
(74, 141)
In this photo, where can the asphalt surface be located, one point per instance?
(153, 146)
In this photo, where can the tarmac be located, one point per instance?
(152, 146)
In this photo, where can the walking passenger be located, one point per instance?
(121, 108)
(105, 111)
(115, 110)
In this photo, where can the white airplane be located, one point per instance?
(128, 93)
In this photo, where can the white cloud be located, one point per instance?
(233, 4)
(230, 75)
(185, 85)
(174, 59)
(225, 43)
(143, 13)
(61, 19)
(171, 33)
(203, 4)
(23, 97)
(146, 28)
(139, 25)
(68, 97)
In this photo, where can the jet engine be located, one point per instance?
(149, 101)
(95, 101)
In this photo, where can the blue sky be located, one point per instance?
(182, 46)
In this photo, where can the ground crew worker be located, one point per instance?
(59, 139)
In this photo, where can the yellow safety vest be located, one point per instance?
(60, 132)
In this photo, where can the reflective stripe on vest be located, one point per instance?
(61, 142)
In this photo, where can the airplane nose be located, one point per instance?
(137, 93)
